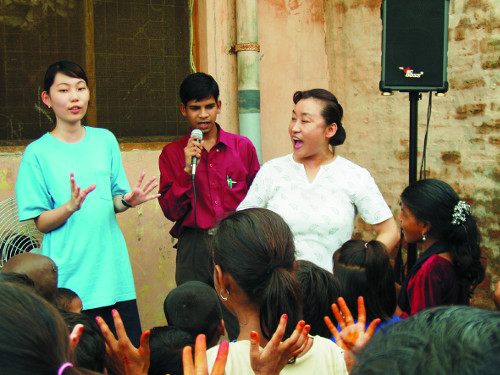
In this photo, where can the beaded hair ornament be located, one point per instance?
(460, 213)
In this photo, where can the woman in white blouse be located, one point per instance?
(316, 191)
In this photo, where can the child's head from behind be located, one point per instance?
(91, 349)
(67, 300)
(33, 336)
(18, 279)
(319, 290)
(458, 340)
(39, 268)
(194, 307)
(166, 345)
(364, 269)
(255, 248)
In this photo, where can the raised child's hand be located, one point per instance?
(200, 366)
(132, 361)
(274, 357)
(352, 337)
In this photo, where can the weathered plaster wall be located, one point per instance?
(217, 37)
(293, 57)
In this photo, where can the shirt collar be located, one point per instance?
(223, 137)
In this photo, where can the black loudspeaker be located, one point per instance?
(414, 45)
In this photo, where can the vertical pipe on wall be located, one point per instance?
(247, 50)
(88, 10)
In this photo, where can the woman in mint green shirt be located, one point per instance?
(78, 216)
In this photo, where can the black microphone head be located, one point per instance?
(197, 133)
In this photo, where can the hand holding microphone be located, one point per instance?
(193, 151)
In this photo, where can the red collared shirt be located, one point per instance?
(223, 177)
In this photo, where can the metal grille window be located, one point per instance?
(135, 53)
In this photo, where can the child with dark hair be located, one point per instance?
(166, 345)
(17, 278)
(364, 269)
(39, 268)
(319, 290)
(33, 336)
(449, 267)
(253, 255)
(194, 307)
(67, 300)
(458, 340)
(91, 349)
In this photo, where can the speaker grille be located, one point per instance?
(414, 45)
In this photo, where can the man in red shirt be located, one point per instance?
(227, 165)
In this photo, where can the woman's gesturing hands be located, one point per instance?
(77, 194)
(139, 194)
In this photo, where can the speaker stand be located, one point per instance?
(415, 96)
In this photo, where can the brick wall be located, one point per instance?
(464, 130)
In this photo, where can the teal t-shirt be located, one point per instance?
(89, 249)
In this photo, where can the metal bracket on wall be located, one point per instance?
(246, 47)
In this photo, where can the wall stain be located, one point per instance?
(451, 157)
(488, 127)
(371, 4)
(466, 83)
(4, 181)
(477, 5)
(491, 64)
(311, 11)
(471, 109)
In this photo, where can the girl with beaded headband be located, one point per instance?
(449, 267)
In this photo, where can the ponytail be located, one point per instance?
(363, 269)
(464, 241)
(282, 295)
(435, 202)
(255, 246)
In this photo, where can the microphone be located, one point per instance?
(194, 159)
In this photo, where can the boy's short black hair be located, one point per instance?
(319, 290)
(17, 278)
(193, 307)
(91, 349)
(458, 340)
(198, 86)
(64, 297)
(166, 344)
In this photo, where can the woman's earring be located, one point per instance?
(423, 236)
(48, 106)
(221, 296)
